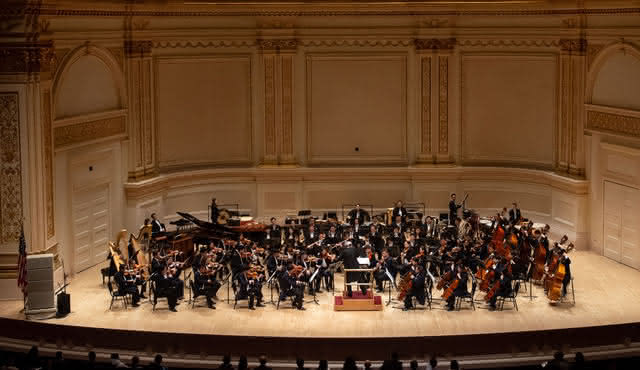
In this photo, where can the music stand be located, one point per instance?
(311, 279)
(271, 284)
(392, 284)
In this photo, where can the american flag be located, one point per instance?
(22, 264)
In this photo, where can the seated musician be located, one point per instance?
(156, 225)
(417, 286)
(175, 269)
(514, 214)
(165, 287)
(399, 210)
(332, 236)
(323, 262)
(126, 285)
(375, 239)
(429, 228)
(199, 258)
(397, 236)
(357, 214)
(311, 235)
(383, 266)
(273, 261)
(238, 261)
(134, 277)
(358, 229)
(157, 263)
(206, 283)
(249, 287)
(291, 287)
(504, 289)
(398, 223)
(461, 289)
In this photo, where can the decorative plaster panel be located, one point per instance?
(612, 123)
(10, 169)
(88, 131)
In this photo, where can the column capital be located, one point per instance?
(138, 48)
(27, 57)
(435, 44)
(573, 46)
(277, 45)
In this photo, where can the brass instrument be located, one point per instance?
(223, 217)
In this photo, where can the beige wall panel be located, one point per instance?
(618, 82)
(86, 87)
(279, 200)
(204, 111)
(495, 200)
(334, 199)
(508, 109)
(356, 102)
(435, 199)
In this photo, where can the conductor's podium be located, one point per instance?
(358, 300)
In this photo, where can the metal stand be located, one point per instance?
(311, 279)
(392, 284)
(226, 281)
(271, 286)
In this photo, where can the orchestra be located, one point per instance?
(421, 251)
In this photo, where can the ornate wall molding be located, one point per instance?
(497, 42)
(277, 44)
(47, 139)
(270, 156)
(592, 52)
(171, 44)
(10, 169)
(443, 105)
(78, 133)
(576, 46)
(613, 123)
(425, 111)
(356, 42)
(435, 44)
(286, 145)
(138, 48)
(27, 57)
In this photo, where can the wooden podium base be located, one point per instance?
(357, 302)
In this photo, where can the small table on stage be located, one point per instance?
(358, 301)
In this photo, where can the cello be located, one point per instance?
(539, 260)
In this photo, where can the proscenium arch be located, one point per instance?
(599, 61)
(105, 57)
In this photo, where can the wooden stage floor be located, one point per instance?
(606, 293)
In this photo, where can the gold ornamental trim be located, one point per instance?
(613, 123)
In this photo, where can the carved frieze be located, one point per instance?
(10, 169)
(286, 149)
(269, 109)
(277, 44)
(172, 44)
(27, 57)
(138, 48)
(577, 46)
(613, 123)
(426, 105)
(89, 131)
(435, 44)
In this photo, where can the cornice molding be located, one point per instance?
(137, 48)
(498, 42)
(90, 130)
(174, 44)
(435, 44)
(356, 42)
(578, 46)
(612, 121)
(286, 44)
(27, 57)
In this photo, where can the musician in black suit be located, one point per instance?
(564, 259)
(127, 287)
(206, 284)
(429, 227)
(156, 225)
(514, 214)
(249, 288)
(357, 228)
(376, 241)
(274, 232)
(215, 212)
(357, 214)
(460, 290)
(503, 290)
(383, 266)
(311, 234)
(349, 257)
(237, 260)
(453, 209)
(291, 287)
(399, 210)
(333, 236)
(273, 261)
(417, 287)
(157, 264)
(165, 287)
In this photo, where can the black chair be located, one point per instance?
(155, 295)
(115, 295)
(468, 297)
(511, 297)
(194, 293)
(238, 295)
(106, 273)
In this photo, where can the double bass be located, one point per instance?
(539, 260)
(405, 285)
(554, 293)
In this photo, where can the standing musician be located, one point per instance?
(205, 282)
(417, 286)
(250, 286)
(461, 289)
(291, 287)
(215, 212)
(514, 214)
(357, 214)
(126, 285)
(453, 209)
(273, 233)
(399, 210)
(156, 225)
(564, 259)
(375, 240)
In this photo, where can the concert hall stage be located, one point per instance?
(606, 313)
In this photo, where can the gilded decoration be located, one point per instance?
(269, 107)
(138, 48)
(10, 169)
(287, 140)
(88, 131)
(443, 105)
(48, 161)
(573, 45)
(426, 105)
(613, 123)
